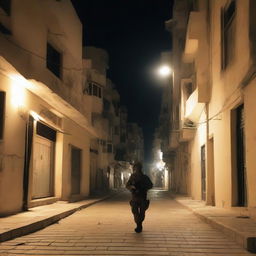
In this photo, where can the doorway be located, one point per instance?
(43, 161)
(203, 174)
(42, 168)
(240, 158)
(75, 170)
(210, 173)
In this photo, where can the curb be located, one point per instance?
(247, 242)
(32, 227)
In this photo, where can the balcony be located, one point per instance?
(93, 74)
(187, 134)
(194, 32)
(194, 107)
(98, 78)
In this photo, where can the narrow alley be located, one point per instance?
(107, 228)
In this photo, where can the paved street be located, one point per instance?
(107, 228)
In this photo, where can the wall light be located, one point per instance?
(17, 95)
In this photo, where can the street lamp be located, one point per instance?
(164, 71)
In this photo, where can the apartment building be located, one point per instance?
(45, 127)
(213, 101)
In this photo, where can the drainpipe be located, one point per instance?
(28, 150)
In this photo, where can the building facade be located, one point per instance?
(45, 132)
(60, 115)
(212, 130)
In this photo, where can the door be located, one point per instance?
(203, 174)
(240, 156)
(42, 168)
(75, 170)
(210, 174)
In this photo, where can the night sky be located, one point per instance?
(133, 33)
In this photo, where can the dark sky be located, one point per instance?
(133, 33)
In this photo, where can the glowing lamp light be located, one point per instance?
(158, 165)
(164, 71)
(18, 95)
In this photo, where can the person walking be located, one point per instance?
(138, 184)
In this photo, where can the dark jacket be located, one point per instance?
(142, 184)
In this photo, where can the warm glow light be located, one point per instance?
(164, 71)
(160, 165)
(18, 95)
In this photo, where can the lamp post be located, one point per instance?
(166, 73)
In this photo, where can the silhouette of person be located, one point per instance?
(139, 184)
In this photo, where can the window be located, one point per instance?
(45, 131)
(2, 111)
(94, 89)
(123, 138)
(116, 130)
(6, 6)
(110, 148)
(53, 60)
(227, 33)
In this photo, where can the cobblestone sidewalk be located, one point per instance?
(107, 228)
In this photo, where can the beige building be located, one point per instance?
(105, 171)
(212, 138)
(45, 126)
(60, 115)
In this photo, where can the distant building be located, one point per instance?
(135, 143)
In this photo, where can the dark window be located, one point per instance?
(99, 92)
(94, 89)
(45, 131)
(228, 33)
(53, 60)
(2, 115)
(6, 6)
(110, 148)
(116, 130)
(123, 138)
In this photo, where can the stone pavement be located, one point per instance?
(40, 217)
(238, 223)
(107, 228)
